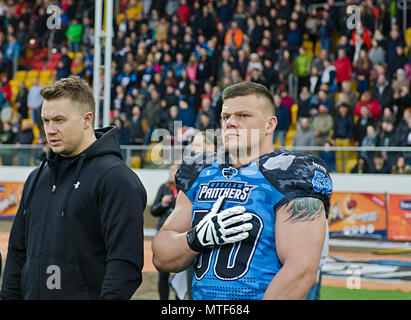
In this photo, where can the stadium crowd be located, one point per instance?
(333, 86)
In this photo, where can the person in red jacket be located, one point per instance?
(183, 12)
(343, 67)
(373, 105)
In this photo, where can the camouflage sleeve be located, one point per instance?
(190, 169)
(297, 176)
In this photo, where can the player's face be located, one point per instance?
(63, 126)
(244, 123)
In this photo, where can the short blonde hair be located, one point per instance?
(73, 88)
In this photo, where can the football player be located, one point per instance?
(252, 220)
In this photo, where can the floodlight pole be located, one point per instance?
(97, 66)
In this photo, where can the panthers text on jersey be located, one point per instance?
(245, 269)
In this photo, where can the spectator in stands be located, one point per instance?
(123, 133)
(352, 96)
(343, 130)
(234, 35)
(21, 100)
(269, 74)
(326, 30)
(314, 80)
(383, 92)
(322, 124)
(376, 53)
(7, 136)
(74, 35)
(391, 45)
(400, 166)
(388, 137)
(302, 68)
(186, 113)
(400, 60)
(380, 165)
(304, 135)
(183, 13)
(361, 166)
(206, 109)
(161, 208)
(34, 101)
(163, 115)
(12, 50)
(225, 11)
(312, 27)
(342, 68)
(5, 88)
(328, 157)
(283, 115)
(24, 137)
(344, 44)
(360, 126)
(304, 103)
(362, 70)
(136, 127)
(294, 37)
(285, 67)
(173, 119)
(329, 75)
(398, 82)
(77, 67)
(150, 112)
(402, 102)
(373, 105)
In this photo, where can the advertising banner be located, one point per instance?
(10, 194)
(358, 215)
(399, 217)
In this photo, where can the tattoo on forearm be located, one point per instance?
(304, 210)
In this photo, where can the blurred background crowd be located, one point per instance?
(171, 59)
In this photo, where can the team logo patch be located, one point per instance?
(229, 172)
(233, 191)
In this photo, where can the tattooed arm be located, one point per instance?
(299, 236)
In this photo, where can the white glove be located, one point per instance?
(219, 228)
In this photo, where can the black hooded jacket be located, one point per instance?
(78, 233)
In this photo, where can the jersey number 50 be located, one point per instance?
(232, 261)
(322, 184)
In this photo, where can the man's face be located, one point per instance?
(63, 126)
(245, 122)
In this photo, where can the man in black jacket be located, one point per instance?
(78, 233)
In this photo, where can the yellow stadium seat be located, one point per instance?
(32, 74)
(135, 162)
(294, 111)
(28, 83)
(36, 133)
(20, 75)
(290, 137)
(408, 36)
(307, 44)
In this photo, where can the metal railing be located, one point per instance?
(161, 156)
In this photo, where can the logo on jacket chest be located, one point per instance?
(233, 191)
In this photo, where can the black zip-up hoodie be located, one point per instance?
(78, 233)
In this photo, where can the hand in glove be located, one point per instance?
(219, 228)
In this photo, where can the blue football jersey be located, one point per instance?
(245, 269)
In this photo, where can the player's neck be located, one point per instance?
(241, 158)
